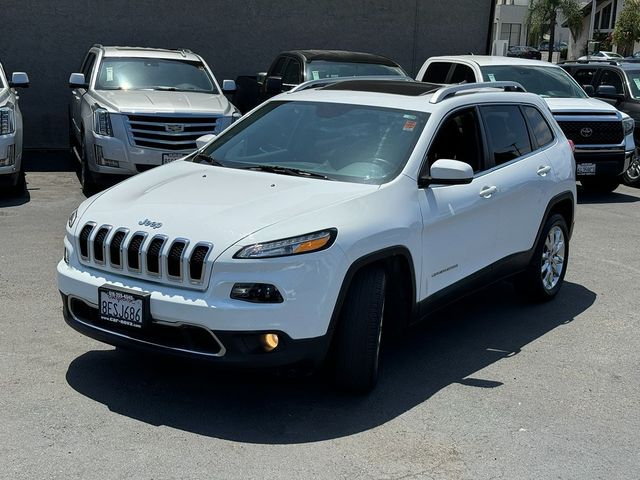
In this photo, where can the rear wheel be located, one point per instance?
(544, 277)
(358, 334)
(600, 185)
(632, 176)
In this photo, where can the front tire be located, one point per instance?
(632, 176)
(545, 275)
(358, 334)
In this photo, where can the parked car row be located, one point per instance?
(11, 169)
(335, 213)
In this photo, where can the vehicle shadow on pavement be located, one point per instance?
(613, 197)
(461, 340)
(14, 200)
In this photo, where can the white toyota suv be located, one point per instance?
(11, 169)
(602, 135)
(328, 214)
(136, 108)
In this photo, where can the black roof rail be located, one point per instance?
(451, 90)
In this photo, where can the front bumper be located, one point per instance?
(608, 163)
(8, 151)
(223, 348)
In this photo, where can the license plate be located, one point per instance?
(123, 307)
(586, 169)
(171, 157)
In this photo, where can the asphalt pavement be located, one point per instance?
(492, 387)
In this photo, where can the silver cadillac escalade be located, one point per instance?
(136, 108)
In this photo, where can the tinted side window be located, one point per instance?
(506, 132)
(291, 75)
(540, 129)
(87, 66)
(584, 76)
(462, 73)
(279, 67)
(437, 72)
(609, 77)
(458, 139)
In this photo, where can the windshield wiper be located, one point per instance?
(200, 157)
(165, 89)
(296, 172)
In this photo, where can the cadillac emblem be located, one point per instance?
(174, 128)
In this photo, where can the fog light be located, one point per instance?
(10, 160)
(256, 293)
(105, 162)
(269, 341)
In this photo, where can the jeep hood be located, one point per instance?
(579, 105)
(150, 101)
(214, 204)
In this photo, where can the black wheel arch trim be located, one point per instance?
(363, 262)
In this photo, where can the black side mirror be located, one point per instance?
(273, 85)
(589, 90)
(609, 91)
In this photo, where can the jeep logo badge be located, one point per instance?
(174, 128)
(148, 223)
(586, 132)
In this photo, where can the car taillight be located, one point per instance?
(572, 145)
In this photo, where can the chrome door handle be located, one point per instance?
(543, 170)
(486, 192)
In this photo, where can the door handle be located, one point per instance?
(543, 170)
(486, 192)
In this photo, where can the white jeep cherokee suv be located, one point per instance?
(602, 135)
(11, 169)
(136, 108)
(325, 216)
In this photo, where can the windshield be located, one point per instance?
(351, 143)
(121, 73)
(634, 81)
(550, 82)
(319, 69)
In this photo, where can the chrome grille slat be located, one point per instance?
(156, 258)
(153, 131)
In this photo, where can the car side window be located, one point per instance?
(584, 76)
(609, 77)
(506, 132)
(278, 67)
(437, 72)
(88, 66)
(291, 75)
(462, 74)
(540, 130)
(458, 138)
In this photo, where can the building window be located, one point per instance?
(605, 22)
(596, 23)
(511, 33)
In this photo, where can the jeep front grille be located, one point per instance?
(593, 132)
(168, 132)
(138, 254)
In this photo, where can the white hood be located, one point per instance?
(153, 101)
(214, 204)
(579, 105)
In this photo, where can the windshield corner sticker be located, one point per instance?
(109, 71)
(409, 125)
(492, 77)
(637, 82)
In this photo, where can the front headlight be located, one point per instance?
(7, 121)
(311, 242)
(222, 123)
(102, 122)
(628, 124)
(72, 218)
